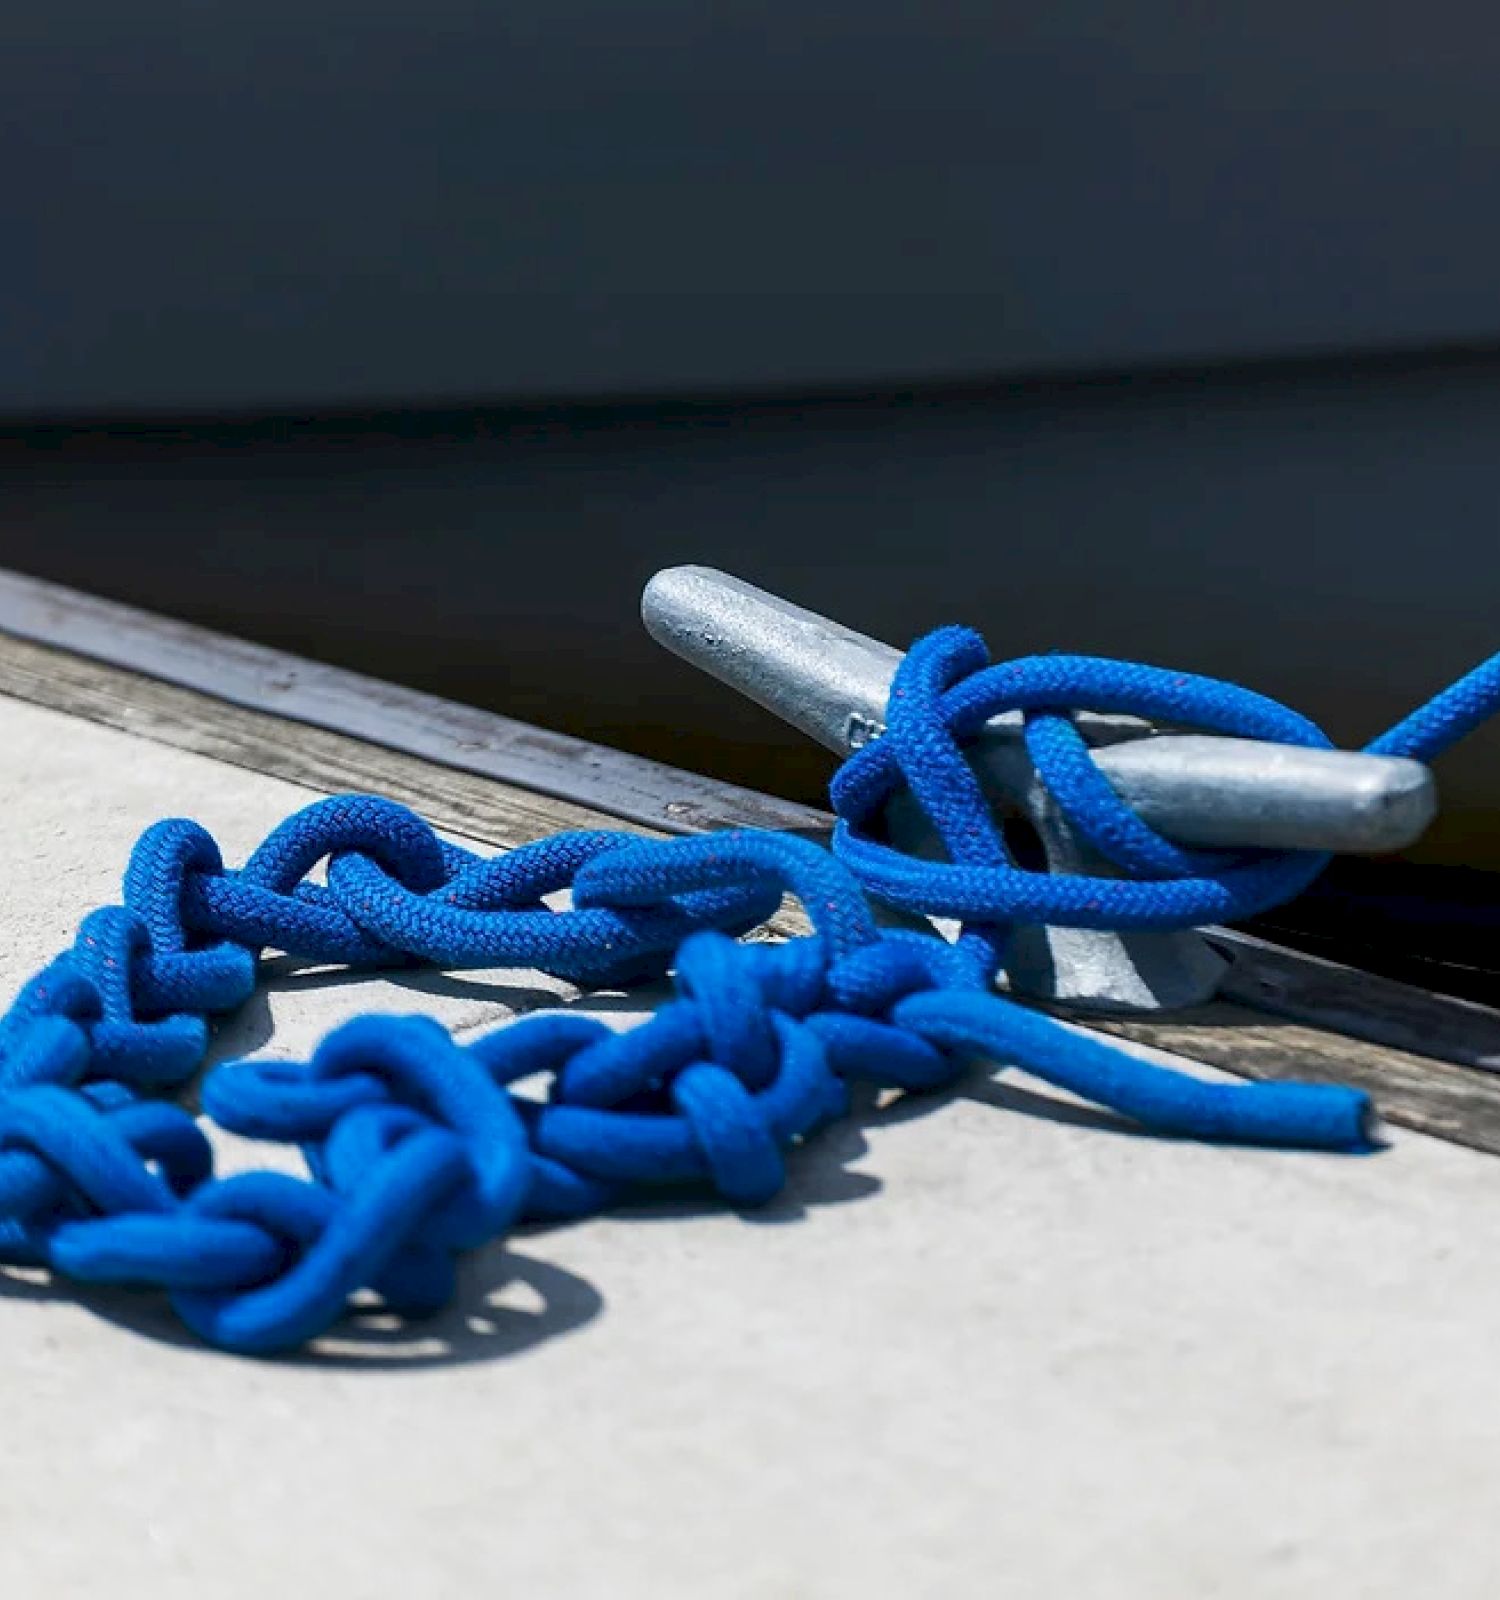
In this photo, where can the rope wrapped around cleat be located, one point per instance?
(946, 689)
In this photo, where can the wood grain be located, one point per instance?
(1361, 1005)
(484, 809)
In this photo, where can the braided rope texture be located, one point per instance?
(417, 1149)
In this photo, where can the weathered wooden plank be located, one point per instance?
(1362, 1005)
(462, 738)
(484, 809)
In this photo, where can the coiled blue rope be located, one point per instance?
(418, 1149)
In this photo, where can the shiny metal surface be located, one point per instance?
(832, 683)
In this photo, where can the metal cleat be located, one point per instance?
(832, 683)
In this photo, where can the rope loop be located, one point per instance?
(64, 1155)
(181, 971)
(415, 1155)
(714, 1088)
(368, 1087)
(494, 915)
(126, 1044)
(647, 873)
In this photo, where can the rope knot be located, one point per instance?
(181, 970)
(66, 1155)
(493, 912)
(859, 1030)
(416, 1154)
(371, 1085)
(715, 1089)
(90, 1014)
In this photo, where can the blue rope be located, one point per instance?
(418, 1149)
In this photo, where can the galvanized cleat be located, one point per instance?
(833, 683)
